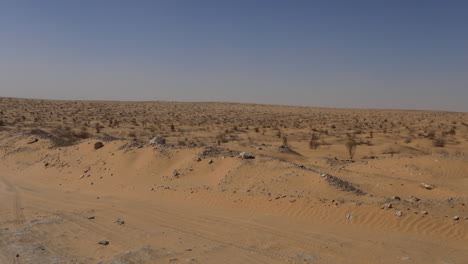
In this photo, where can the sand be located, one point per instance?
(195, 200)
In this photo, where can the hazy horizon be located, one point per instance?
(340, 54)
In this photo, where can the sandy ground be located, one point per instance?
(197, 202)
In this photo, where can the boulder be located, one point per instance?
(157, 141)
(98, 145)
(246, 155)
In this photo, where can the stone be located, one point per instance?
(157, 141)
(98, 145)
(198, 159)
(399, 213)
(424, 212)
(395, 198)
(176, 173)
(456, 218)
(104, 242)
(210, 161)
(349, 217)
(427, 186)
(246, 155)
(90, 217)
(413, 199)
(33, 141)
(81, 176)
(120, 221)
(292, 200)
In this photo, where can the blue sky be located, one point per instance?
(365, 54)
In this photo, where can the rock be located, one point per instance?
(424, 212)
(158, 141)
(176, 173)
(198, 159)
(104, 242)
(259, 148)
(292, 200)
(323, 175)
(395, 198)
(210, 161)
(33, 141)
(405, 258)
(81, 176)
(389, 205)
(413, 199)
(90, 217)
(399, 213)
(456, 218)
(427, 186)
(98, 145)
(349, 217)
(246, 155)
(120, 221)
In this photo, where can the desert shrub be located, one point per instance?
(351, 146)
(431, 135)
(313, 143)
(438, 142)
(132, 134)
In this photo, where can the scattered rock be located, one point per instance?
(104, 242)
(198, 159)
(399, 213)
(389, 205)
(210, 161)
(456, 218)
(157, 141)
(246, 155)
(323, 175)
(98, 145)
(176, 173)
(427, 186)
(120, 221)
(349, 217)
(424, 212)
(397, 198)
(81, 176)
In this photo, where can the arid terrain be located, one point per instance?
(80, 182)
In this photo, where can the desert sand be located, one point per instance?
(190, 197)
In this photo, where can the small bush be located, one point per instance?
(351, 146)
(438, 142)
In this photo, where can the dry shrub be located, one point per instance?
(313, 143)
(438, 142)
(351, 146)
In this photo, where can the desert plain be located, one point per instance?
(175, 182)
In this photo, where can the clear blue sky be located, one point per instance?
(366, 54)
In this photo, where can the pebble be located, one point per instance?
(120, 221)
(456, 217)
(399, 213)
(104, 242)
(424, 212)
(349, 217)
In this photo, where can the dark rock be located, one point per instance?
(98, 145)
